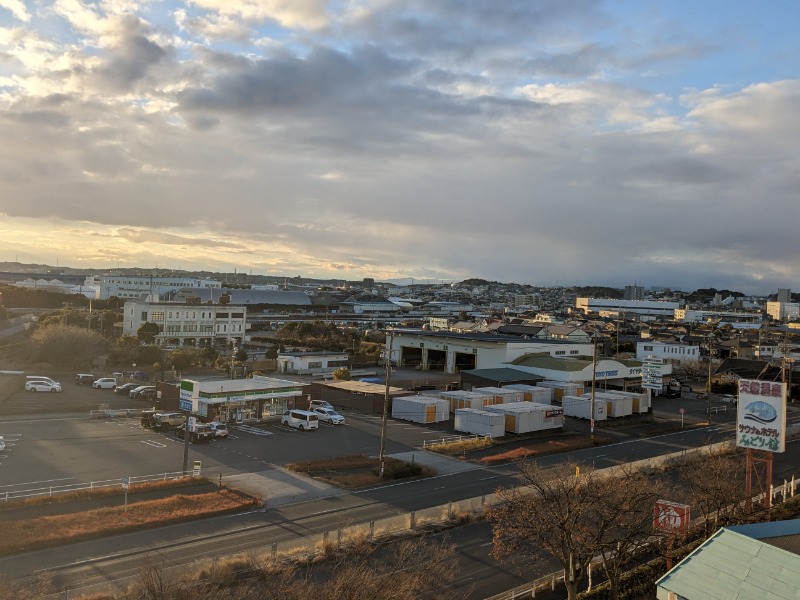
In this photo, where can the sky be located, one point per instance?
(542, 142)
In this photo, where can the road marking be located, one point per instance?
(252, 430)
(153, 443)
(36, 482)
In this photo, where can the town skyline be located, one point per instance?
(591, 141)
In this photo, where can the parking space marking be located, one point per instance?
(153, 443)
(253, 430)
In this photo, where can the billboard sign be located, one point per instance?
(652, 377)
(761, 415)
(671, 517)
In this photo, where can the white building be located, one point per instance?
(655, 308)
(673, 352)
(783, 311)
(188, 324)
(311, 363)
(128, 287)
(454, 352)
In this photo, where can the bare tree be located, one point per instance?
(715, 486)
(555, 514)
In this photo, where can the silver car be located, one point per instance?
(42, 386)
(330, 416)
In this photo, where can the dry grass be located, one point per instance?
(461, 447)
(351, 472)
(540, 449)
(55, 530)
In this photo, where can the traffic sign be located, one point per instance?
(125, 483)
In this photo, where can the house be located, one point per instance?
(760, 560)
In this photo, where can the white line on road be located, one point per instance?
(36, 482)
(153, 443)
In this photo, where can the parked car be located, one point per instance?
(202, 433)
(328, 415)
(728, 399)
(148, 418)
(133, 393)
(701, 396)
(84, 379)
(300, 419)
(105, 383)
(168, 420)
(2, 443)
(42, 386)
(319, 404)
(218, 429)
(145, 392)
(125, 388)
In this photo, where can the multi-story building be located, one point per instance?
(188, 324)
(634, 292)
(784, 295)
(783, 311)
(669, 352)
(655, 308)
(128, 287)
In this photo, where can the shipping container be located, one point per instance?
(533, 393)
(525, 417)
(581, 408)
(462, 399)
(562, 388)
(640, 402)
(481, 422)
(502, 395)
(420, 409)
(616, 406)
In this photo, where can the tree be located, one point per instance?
(67, 345)
(555, 514)
(342, 374)
(147, 332)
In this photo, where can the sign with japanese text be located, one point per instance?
(652, 377)
(761, 415)
(671, 517)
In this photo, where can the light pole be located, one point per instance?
(388, 361)
(594, 385)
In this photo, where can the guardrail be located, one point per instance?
(451, 439)
(117, 412)
(16, 492)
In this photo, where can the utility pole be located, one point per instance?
(594, 385)
(388, 361)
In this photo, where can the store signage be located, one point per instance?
(761, 415)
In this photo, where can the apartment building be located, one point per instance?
(188, 324)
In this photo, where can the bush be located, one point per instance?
(400, 470)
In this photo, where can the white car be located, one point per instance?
(219, 429)
(105, 383)
(330, 416)
(2, 443)
(729, 399)
(42, 386)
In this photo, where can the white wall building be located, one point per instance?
(128, 287)
(633, 307)
(669, 352)
(188, 324)
(311, 363)
(783, 311)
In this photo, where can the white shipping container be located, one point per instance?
(525, 417)
(533, 393)
(617, 406)
(502, 395)
(562, 388)
(420, 409)
(482, 422)
(463, 399)
(580, 407)
(641, 402)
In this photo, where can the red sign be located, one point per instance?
(671, 517)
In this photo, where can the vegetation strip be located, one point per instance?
(42, 532)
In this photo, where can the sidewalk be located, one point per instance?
(278, 486)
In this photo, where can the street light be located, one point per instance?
(388, 361)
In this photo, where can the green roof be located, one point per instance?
(542, 360)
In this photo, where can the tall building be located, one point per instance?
(634, 292)
(784, 295)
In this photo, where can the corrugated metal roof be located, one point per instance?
(545, 361)
(363, 387)
(734, 566)
(501, 374)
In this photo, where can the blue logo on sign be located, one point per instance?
(760, 411)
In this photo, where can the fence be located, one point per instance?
(16, 492)
(108, 413)
(452, 439)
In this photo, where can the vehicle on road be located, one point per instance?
(2, 443)
(148, 418)
(218, 429)
(300, 419)
(330, 416)
(200, 433)
(84, 379)
(42, 386)
(728, 399)
(105, 383)
(39, 378)
(701, 396)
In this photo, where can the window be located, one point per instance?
(157, 316)
(237, 315)
(317, 364)
(573, 351)
(144, 315)
(221, 315)
(190, 327)
(648, 348)
(560, 352)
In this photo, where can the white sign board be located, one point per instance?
(652, 378)
(761, 415)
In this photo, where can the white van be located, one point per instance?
(300, 419)
(52, 382)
